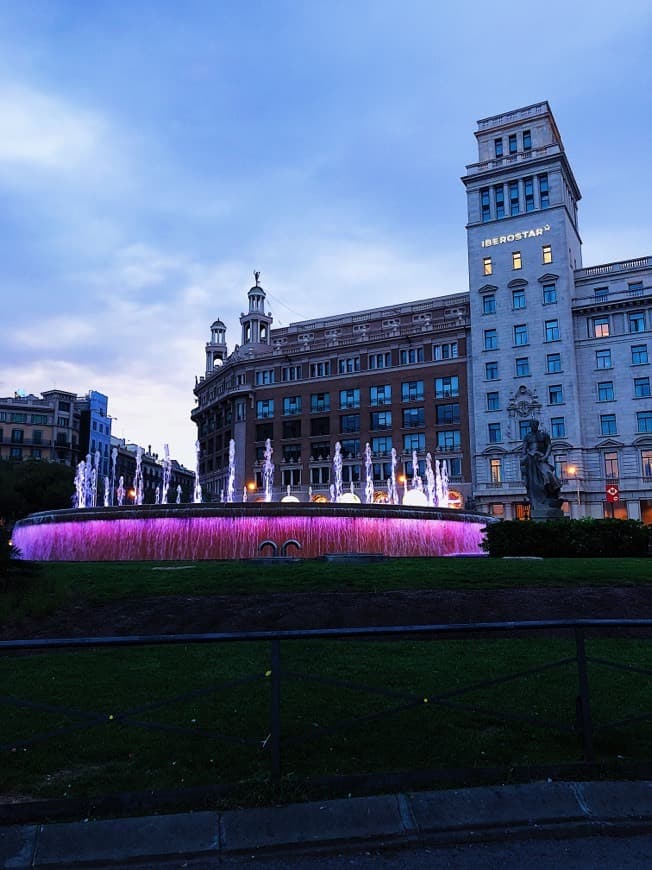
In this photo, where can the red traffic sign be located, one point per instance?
(613, 493)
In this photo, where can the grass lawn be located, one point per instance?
(347, 707)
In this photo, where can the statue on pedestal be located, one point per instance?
(541, 482)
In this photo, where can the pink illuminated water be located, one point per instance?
(238, 534)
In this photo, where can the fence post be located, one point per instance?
(583, 699)
(275, 711)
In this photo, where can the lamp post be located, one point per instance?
(574, 472)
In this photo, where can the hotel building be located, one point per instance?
(458, 376)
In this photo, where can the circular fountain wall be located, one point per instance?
(236, 531)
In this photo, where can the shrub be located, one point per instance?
(585, 537)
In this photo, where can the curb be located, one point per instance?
(547, 809)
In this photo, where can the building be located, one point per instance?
(152, 474)
(537, 336)
(392, 377)
(550, 339)
(45, 427)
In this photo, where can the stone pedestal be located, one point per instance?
(550, 510)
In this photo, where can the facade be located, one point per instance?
(45, 427)
(392, 377)
(552, 340)
(152, 474)
(538, 336)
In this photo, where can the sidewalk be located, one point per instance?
(547, 809)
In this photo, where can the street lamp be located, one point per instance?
(574, 472)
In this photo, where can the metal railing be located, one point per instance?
(579, 720)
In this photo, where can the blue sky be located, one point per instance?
(153, 153)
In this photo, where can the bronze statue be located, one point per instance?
(541, 482)
(257, 278)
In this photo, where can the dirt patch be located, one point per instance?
(173, 614)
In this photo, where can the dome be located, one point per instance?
(218, 325)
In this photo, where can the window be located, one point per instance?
(522, 367)
(644, 421)
(381, 420)
(608, 424)
(22, 418)
(291, 429)
(264, 408)
(635, 288)
(605, 391)
(15, 452)
(350, 398)
(516, 260)
(523, 429)
(552, 330)
(320, 449)
(487, 266)
(484, 204)
(263, 432)
(381, 395)
(557, 427)
(514, 207)
(641, 388)
(601, 294)
(17, 436)
(490, 339)
(320, 426)
(39, 418)
(499, 199)
(411, 355)
(449, 350)
(646, 463)
(498, 147)
(61, 421)
(518, 298)
(291, 405)
(380, 360)
(413, 418)
(544, 191)
(493, 401)
(512, 143)
(603, 359)
(414, 441)
(491, 370)
(37, 436)
(520, 334)
(320, 369)
(264, 377)
(447, 388)
(291, 452)
(639, 354)
(555, 394)
(553, 363)
(291, 476)
(350, 473)
(291, 373)
(528, 188)
(349, 365)
(35, 452)
(447, 414)
(382, 471)
(611, 464)
(496, 470)
(320, 402)
(450, 440)
(350, 446)
(495, 436)
(489, 304)
(599, 327)
(412, 391)
(546, 254)
(549, 294)
(636, 322)
(527, 140)
(381, 444)
(350, 423)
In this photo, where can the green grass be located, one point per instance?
(56, 583)
(232, 697)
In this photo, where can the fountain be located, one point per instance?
(232, 530)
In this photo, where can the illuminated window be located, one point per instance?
(605, 391)
(516, 260)
(611, 464)
(600, 327)
(496, 470)
(487, 266)
(646, 463)
(489, 304)
(546, 254)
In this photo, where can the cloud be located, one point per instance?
(65, 332)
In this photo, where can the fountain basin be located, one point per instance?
(235, 531)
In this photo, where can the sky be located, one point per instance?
(154, 153)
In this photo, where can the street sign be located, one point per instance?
(613, 493)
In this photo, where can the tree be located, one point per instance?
(31, 486)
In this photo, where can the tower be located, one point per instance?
(216, 351)
(255, 323)
(523, 248)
